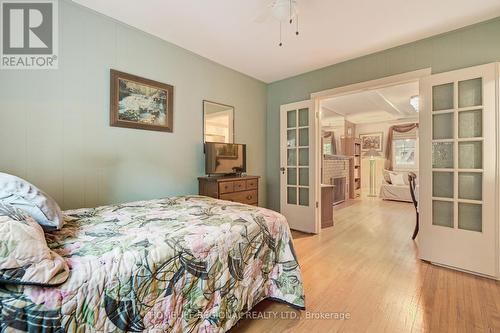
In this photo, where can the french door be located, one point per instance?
(298, 180)
(458, 163)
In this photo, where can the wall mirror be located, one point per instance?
(218, 122)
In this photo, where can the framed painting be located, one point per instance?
(371, 141)
(141, 103)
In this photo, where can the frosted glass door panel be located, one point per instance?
(292, 157)
(442, 126)
(292, 195)
(442, 213)
(470, 124)
(470, 185)
(291, 138)
(303, 196)
(304, 176)
(470, 155)
(470, 93)
(291, 118)
(291, 176)
(442, 155)
(470, 217)
(303, 156)
(442, 97)
(304, 137)
(442, 184)
(303, 117)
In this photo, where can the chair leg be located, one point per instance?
(415, 232)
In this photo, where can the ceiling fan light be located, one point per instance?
(281, 10)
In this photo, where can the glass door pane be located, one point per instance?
(470, 124)
(470, 185)
(304, 196)
(442, 155)
(442, 126)
(442, 97)
(298, 157)
(291, 119)
(470, 155)
(442, 184)
(470, 217)
(291, 137)
(470, 93)
(303, 117)
(291, 176)
(442, 213)
(304, 176)
(292, 195)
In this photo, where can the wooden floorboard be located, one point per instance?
(367, 266)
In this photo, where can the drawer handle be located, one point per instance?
(249, 197)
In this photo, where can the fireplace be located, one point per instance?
(339, 191)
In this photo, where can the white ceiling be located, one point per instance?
(227, 32)
(371, 106)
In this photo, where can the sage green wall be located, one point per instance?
(54, 124)
(473, 45)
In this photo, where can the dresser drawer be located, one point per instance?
(226, 187)
(246, 197)
(252, 184)
(239, 185)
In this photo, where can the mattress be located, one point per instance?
(180, 264)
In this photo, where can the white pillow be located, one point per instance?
(397, 179)
(27, 197)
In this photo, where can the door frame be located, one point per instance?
(497, 171)
(383, 82)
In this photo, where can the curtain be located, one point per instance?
(388, 150)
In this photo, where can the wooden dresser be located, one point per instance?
(243, 189)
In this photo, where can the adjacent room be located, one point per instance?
(370, 146)
(249, 166)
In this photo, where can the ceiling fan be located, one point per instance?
(284, 11)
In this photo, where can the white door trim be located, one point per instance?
(373, 84)
(497, 175)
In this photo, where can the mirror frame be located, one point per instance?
(203, 117)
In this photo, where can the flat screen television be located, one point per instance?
(225, 158)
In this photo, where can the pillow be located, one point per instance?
(397, 179)
(25, 258)
(387, 176)
(23, 195)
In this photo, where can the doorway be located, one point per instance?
(355, 123)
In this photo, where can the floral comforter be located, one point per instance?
(183, 264)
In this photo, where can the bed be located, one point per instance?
(182, 264)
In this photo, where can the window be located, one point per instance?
(405, 154)
(327, 149)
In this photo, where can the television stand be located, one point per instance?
(242, 189)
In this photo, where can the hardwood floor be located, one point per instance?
(366, 266)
